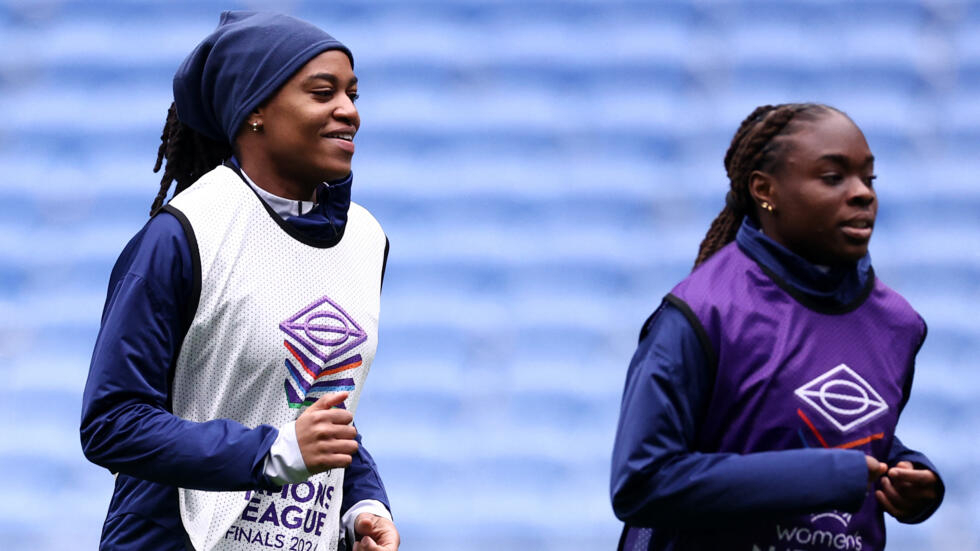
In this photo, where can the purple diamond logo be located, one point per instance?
(324, 329)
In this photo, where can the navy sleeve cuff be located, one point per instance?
(362, 480)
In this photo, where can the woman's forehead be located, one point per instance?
(330, 62)
(830, 135)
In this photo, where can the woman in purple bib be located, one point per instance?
(760, 408)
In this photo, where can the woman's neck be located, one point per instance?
(270, 180)
(270, 176)
(282, 206)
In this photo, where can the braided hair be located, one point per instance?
(189, 156)
(754, 147)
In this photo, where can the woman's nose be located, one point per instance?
(861, 192)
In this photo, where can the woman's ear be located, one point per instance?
(253, 124)
(761, 189)
(257, 115)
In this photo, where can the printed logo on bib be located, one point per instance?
(829, 530)
(843, 518)
(326, 332)
(842, 397)
(297, 524)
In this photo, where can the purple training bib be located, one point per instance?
(791, 373)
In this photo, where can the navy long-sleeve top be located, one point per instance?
(657, 479)
(127, 422)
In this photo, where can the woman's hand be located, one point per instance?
(907, 492)
(325, 434)
(377, 533)
(876, 469)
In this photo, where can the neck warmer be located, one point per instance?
(838, 285)
(328, 216)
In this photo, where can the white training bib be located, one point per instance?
(281, 320)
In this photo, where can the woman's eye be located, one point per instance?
(832, 178)
(870, 180)
(354, 96)
(323, 93)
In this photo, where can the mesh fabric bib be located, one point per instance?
(281, 320)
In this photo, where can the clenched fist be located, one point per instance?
(325, 434)
(906, 492)
(376, 533)
(876, 469)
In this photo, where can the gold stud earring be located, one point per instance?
(766, 205)
(256, 126)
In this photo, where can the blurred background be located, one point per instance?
(545, 171)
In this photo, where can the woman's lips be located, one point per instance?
(346, 145)
(342, 138)
(858, 229)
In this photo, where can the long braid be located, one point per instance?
(725, 225)
(751, 149)
(189, 156)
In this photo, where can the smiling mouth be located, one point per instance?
(346, 136)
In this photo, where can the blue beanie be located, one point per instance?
(241, 64)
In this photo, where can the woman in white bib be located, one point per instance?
(241, 321)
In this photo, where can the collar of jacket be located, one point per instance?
(835, 284)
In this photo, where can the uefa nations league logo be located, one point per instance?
(842, 397)
(326, 332)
